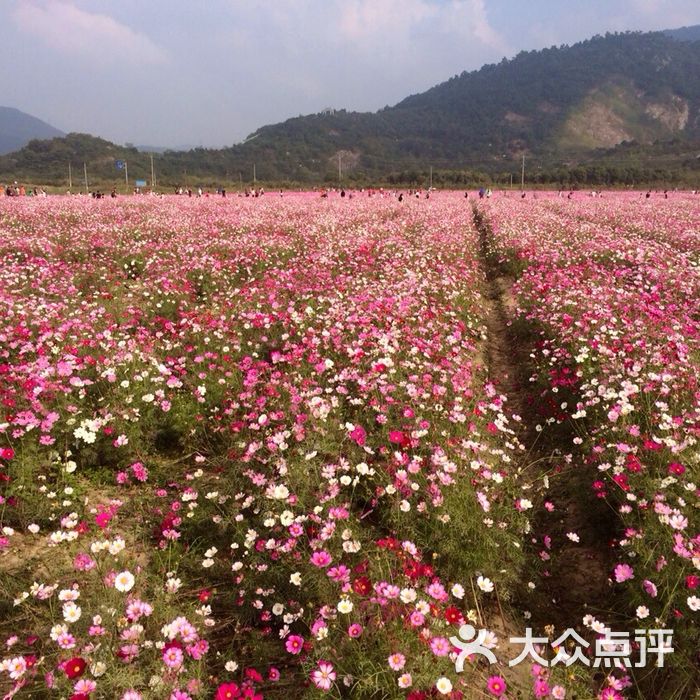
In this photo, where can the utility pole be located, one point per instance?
(431, 177)
(240, 180)
(254, 180)
(522, 176)
(511, 181)
(153, 176)
(87, 189)
(126, 176)
(70, 178)
(340, 170)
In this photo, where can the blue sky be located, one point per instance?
(209, 72)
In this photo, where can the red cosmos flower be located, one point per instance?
(633, 464)
(79, 696)
(397, 437)
(226, 691)
(676, 468)
(362, 586)
(692, 582)
(253, 675)
(204, 595)
(75, 667)
(427, 571)
(621, 481)
(6, 453)
(453, 616)
(413, 569)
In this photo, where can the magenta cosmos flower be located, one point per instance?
(227, 691)
(496, 686)
(321, 559)
(294, 644)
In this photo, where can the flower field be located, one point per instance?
(265, 448)
(612, 289)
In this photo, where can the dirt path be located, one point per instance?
(574, 581)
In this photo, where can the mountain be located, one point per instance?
(558, 103)
(621, 106)
(17, 129)
(685, 33)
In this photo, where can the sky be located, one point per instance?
(210, 72)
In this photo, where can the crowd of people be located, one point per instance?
(16, 190)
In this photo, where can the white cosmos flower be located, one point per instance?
(458, 591)
(345, 606)
(124, 581)
(444, 685)
(485, 584)
(71, 612)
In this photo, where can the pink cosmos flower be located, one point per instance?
(623, 572)
(85, 686)
(396, 661)
(355, 630)
(323, 675)
(139, 471)
(440, 646)
(610, 694)
(417, 618)
(173, 657)
(178, 694)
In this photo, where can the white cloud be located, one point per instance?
(667, 14)
(388, 21)
(67, 28)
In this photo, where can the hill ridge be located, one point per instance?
(628, 100)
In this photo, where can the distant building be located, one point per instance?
(328, 111)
